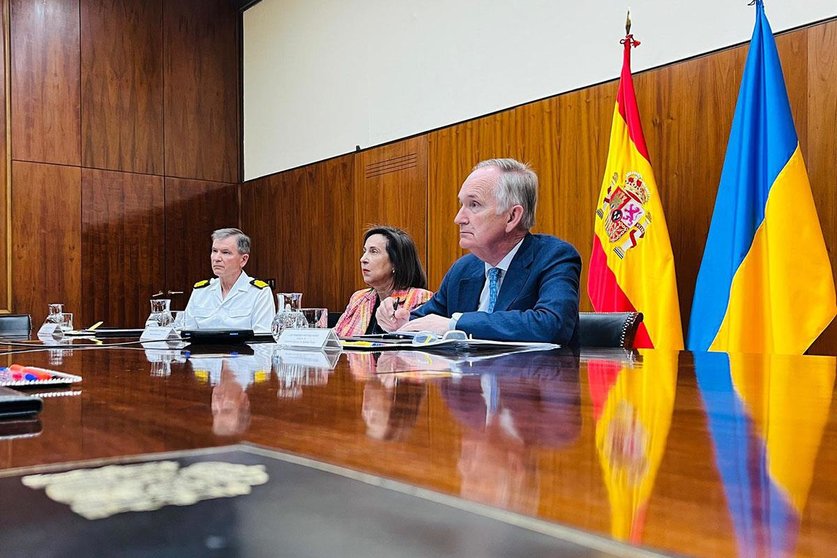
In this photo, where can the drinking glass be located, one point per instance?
(160, 312)
(316, 317)
(288, 315)
(66, 321)
(55, 311)
(288, 301)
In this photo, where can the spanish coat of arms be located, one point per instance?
(626, 219)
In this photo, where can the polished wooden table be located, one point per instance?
(692, 454)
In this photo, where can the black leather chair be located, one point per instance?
(333, 317)
(608, 329)
(15, 325)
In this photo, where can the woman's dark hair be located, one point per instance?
(403, 256)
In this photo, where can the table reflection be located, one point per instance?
(391, 403)
(231, 376)
(633, 401)
(766, 419)
(509, 407)
(296, 369)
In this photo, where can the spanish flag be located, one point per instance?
(765, 284)
(632, 267)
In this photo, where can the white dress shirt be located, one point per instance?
(503, 266)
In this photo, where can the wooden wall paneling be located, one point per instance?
(312, 247)
(292, 219)
(123, 232)
(201, 85)
(5, 186)
(302, 225)
(334, 236)
(391, 189)
(258, 207)
(569, 187)
(46, 238)
(821, 152)
(45, 81)
(193, 210)
(122, 85)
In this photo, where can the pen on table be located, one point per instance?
(362, 344)
(94, 326)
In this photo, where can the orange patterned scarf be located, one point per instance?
(358, 314)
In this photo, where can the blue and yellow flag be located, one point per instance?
(765, 284)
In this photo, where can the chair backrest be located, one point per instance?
(333, 317)
(608, 329)
(15, 324)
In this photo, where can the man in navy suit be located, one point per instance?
(514, 285)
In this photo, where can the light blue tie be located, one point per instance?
(493, 276)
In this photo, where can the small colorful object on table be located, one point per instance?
(17, 375)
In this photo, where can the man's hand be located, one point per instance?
(433, 322)
(390, 318)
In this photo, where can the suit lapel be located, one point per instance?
(470, 286)
(516, 276)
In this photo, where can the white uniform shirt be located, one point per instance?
(246, 307)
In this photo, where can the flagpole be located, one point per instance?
(629, 39)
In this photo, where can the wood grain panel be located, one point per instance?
(570, 185)
(193, 210)
(122, 85)
(391, 189)
(271, 213)
(302, 225)
(123, 232)
(45, 81)
(5, 186)
(46, 238)
(201, 85)
(821, 152)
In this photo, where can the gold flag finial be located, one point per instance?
(628, 23)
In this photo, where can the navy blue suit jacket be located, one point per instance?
(538, 300)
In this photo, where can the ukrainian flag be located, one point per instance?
(765, 284)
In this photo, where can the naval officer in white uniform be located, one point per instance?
(232, 299)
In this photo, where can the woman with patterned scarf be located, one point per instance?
(391, 267)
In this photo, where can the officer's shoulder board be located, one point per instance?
(259, 284)
(201, 284)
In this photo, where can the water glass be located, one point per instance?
(288, 315)
(55, 312)
(66, 321)
(316, 317)
(160, 312)
(288, 301)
